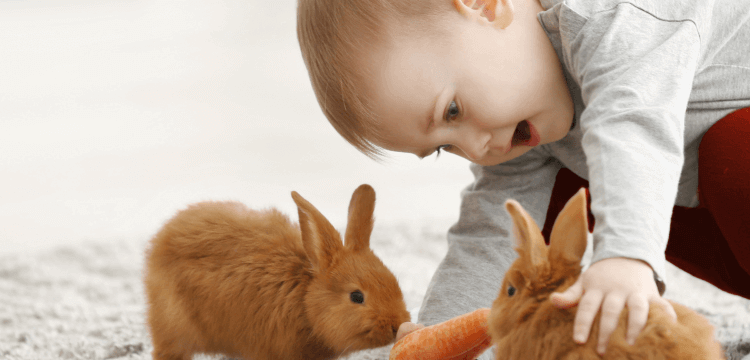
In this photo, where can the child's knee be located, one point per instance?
(724, 156)
(728, 138)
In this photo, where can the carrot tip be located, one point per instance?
(462, 337)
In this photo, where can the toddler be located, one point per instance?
(646, 103)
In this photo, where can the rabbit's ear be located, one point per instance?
(360, 222)
(569, 234)
(319, 238)
(529, 239)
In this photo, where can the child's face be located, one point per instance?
(482, 93)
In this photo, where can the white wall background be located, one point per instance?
(114, 114)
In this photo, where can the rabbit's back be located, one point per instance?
(225, 277)
(690, 338)
(549, 336)
(226, 232)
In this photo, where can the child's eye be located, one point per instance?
(452, 112)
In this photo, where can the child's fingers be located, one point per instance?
(611, 309)
(587, 309)
(667, 306)
(569, 297)
(637, 316)
(406, 328)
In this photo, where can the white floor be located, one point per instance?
(116, 113)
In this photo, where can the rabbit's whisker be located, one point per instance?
(345, 350)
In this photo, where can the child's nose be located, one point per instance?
(474, 144)
(472, 153)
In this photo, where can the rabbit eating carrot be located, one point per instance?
(463, 337)
(225, 279)
(524, 324)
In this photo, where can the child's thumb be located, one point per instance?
(569, 297)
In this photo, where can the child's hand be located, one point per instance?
(612, 284)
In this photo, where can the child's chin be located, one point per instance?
(497, 160)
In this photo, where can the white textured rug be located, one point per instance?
(86, 301)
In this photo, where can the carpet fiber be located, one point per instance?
(86, 301)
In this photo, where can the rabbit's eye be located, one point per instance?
(511, 290)
(357, 297)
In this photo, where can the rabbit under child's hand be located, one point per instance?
(524, 324)
(610, 285)
(222, 278)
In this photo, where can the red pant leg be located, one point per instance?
(712, 242)
(724, 182)
(697, 246)
(567, 184)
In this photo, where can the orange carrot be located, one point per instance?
(462, 337)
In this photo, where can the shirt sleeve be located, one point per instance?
(635, 72)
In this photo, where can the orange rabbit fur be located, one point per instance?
(222, 278)
(524, 324)
(464, 337)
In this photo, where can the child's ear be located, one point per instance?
(498, 13)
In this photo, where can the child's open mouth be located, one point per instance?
(525, 134)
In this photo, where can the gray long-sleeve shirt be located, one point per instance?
(648, 78)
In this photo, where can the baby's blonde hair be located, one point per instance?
(334, 36)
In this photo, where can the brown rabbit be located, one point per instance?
(524, 324)
(222, 278)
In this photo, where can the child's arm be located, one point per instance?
(612, 284)
(635, 72)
